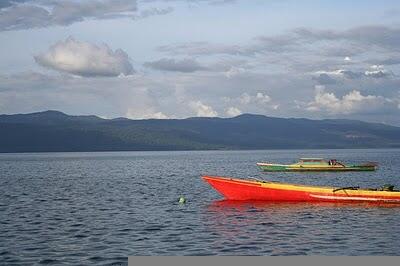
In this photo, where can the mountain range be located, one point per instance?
(50, 131)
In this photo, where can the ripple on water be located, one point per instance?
(98, 208)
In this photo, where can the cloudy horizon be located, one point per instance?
(208, 58)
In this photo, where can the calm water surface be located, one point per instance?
(98, 208)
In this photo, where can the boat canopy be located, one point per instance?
(312, 159)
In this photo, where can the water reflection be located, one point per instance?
(257, 204)
(288, 228)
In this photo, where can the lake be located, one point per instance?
(98, 208)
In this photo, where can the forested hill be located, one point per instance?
(56, 131)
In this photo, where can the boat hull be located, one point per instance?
(239, 189)
(266, 167)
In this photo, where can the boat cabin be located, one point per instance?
(312, 161)
(318, 161)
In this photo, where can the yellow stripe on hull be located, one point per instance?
(315, 189)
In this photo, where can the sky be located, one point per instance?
(170, 59)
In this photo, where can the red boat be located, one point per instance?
(240, 189)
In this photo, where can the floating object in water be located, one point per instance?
(182, 200)
(240, 189)
(317, 164)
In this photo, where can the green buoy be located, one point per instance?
(182, 200)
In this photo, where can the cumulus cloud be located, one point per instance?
(353, 102)
(30, 92)
(202, 110)
(233, 111)
(337, 72)
(234, 71)
(258, 102)
(152, 96)
(330, 77)
(260, 98)
(186, 65)
(377, 71)
(146, 113)
(85, 59)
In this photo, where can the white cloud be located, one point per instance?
(377, 71)
(234, 71)
(353, 102)
(259, 98)
(259, 103)
(275, 106)
(262, 98)
(85, 59)
(202, 110)
(338, 72)
(135, 113)
(377, 67)
(170, 95)
(233, 111)
(245, 98)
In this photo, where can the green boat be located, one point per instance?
(316, 164)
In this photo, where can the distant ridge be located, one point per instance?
(47, 117)
(56, 131)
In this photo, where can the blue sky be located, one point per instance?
(177, 58)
